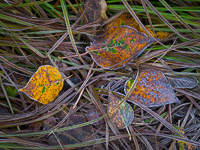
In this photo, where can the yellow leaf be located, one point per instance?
(44, 85)
(128, 20)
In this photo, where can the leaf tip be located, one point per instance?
(21, 90)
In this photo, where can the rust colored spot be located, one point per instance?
(147, 97)
(152, 99)
(159, 74)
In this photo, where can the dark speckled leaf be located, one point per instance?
(183, 82)
(73, 136)
(152, 89)
(121, 116)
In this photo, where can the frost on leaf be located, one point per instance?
(121, 115)
(152, 89)
(44, 85)
(117, 46)
(183, 82)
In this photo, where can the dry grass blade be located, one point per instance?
(58, 42)
(6, 95)
(56, 33)
(177, 16)
(164, 122)
(134, 138)
(148, 16)
(163, 19)
(136, 18)
(114, 129)
(15, 66)
(33, 49)
(161, 52)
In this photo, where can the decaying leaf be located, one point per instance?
(128, 20)
(95, 11)
(117, 46)
(152, 89)
(121, 116)
(94, 113)
(183, 82)
(80, 134)
(183, 145)
(44, 85)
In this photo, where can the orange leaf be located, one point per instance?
(152, 89)
(117, 46)
(44, 85)
(128, 20)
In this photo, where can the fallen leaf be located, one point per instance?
(159, 35)
(183, 82)
(94, 113)
(62, 66)
(49, 122)
(95, 11)
(44, 85)
(36, 126)
(80, 134)
(121, 116)
(183, 145)
(128, 20)
(152, 89)
(117, 46)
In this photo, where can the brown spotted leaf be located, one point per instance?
(128, 20)
(95, 11)
(152, 89)
(121, 115)
(44, 85)
(117, 46)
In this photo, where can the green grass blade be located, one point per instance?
(64, 8)
(177, 16)
(8, 18)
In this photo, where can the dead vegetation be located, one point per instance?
(35, 33)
